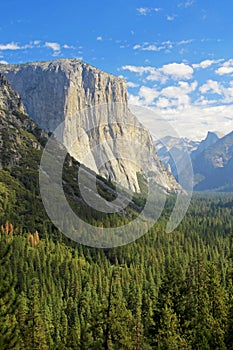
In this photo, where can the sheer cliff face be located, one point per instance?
(56, 92)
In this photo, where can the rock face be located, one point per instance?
(9, 99)
(19, 135)
(210, 139)
(103, 137)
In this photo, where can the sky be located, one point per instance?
(176, 55)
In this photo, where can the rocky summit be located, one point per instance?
(108, 138)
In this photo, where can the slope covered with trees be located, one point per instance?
(165, 291)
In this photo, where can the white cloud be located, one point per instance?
(65, 46)
(3, 62)
(145, 11)
(186, 4)
(171, 96)
(188, 120)
(99, 38)
(175, 71)
(226, 68)
(148, 94)
(53, 45)
(152, 48)
(211, 86)
(205, 64)
(9, 46)
(189, 3)
(130, 84)
(192, 110)
(185, 42)
(176, 96)
(139, 69)
(159, 46)
(171, 17)
(148, 47)
(214, 87)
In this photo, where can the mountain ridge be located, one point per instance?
(55, 92)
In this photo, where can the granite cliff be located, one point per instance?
(105, 136)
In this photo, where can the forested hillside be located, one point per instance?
(165, 291)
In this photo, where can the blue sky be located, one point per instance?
(177, 56)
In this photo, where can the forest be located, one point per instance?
(164, 291)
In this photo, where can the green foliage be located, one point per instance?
(165, 291)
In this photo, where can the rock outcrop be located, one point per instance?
(19, 135)
(97, 127)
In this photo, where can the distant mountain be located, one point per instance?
(212, 160)
(210, 139)
(213, 167)
(172, 151)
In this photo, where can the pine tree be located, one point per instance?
(35, 320)
(169, 334)
(9, 330)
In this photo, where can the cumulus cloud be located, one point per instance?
(65, 46)
(138, 69)
(211, 86)
(130, 84)
(53, 45)
(99, 38)
(10, 46)
(191, 109)
(148, 94)
(171, 96)
(226, 68)
(205, 64)
(3, 62)
(188, 120)
(175, 71)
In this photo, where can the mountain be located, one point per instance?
(213, 167)
(108, 139)
(22, 144)
(212, 160)
(210, 139)
(173, 150)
